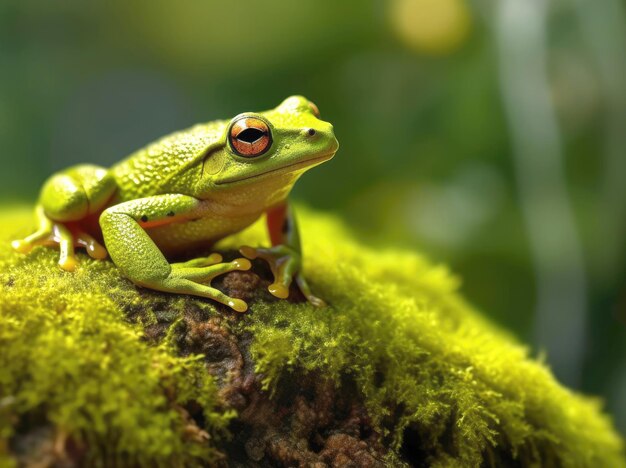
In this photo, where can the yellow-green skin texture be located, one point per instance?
(187, 191)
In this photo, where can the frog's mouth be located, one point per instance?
(307, 163)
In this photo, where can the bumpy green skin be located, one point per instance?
(187, 190)
(433, 373)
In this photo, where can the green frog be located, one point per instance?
(187, 191)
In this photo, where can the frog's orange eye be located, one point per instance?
(314, 109)
(250, 137)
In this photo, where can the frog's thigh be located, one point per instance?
(130, 247)
(77, 192)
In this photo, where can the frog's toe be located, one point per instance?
(200, 262)
(279, 290)
(238, 264)
(39, 237)
(316, 301)
(237, 305)
(22, 246)
(68, 263)
(67, 258)
(249, 252)
(204, 274)
(306, 290)
(282, 262)
(241, 264)
(213, 259)
(179, 281)
(95, 250)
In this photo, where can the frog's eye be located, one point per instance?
(314, 109)
(250, 137)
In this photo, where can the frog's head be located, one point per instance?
(264, 153)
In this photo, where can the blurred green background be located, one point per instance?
(489, 135)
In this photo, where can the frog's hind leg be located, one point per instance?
(50, 233)
(66, 200)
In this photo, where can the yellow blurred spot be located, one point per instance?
(435, 27)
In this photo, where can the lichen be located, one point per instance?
(116, 370)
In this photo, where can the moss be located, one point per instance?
(69, 360)
(114, 369)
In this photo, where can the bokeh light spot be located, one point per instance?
(434, 27)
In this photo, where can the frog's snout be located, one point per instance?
(323, 136)
(319, 129)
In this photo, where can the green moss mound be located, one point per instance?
(69, 360)
(442, 386)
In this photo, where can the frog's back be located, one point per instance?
(156, 168)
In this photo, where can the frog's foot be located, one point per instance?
(285, 265)
(57, 234)
(306, 290)
(195, 276)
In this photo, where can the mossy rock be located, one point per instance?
(398, 370)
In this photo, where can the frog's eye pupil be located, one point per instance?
(250, 137)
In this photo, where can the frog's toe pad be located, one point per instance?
(249, 252)
(279, 290)
(237, 305)
(213, 259)
(68, 264)
(97, 251)
(21, 246)
(241, 264)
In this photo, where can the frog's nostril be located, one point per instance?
(311, 131)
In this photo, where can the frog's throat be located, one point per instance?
(288, 168)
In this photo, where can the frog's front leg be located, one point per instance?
(285, 257)
(141, 261)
